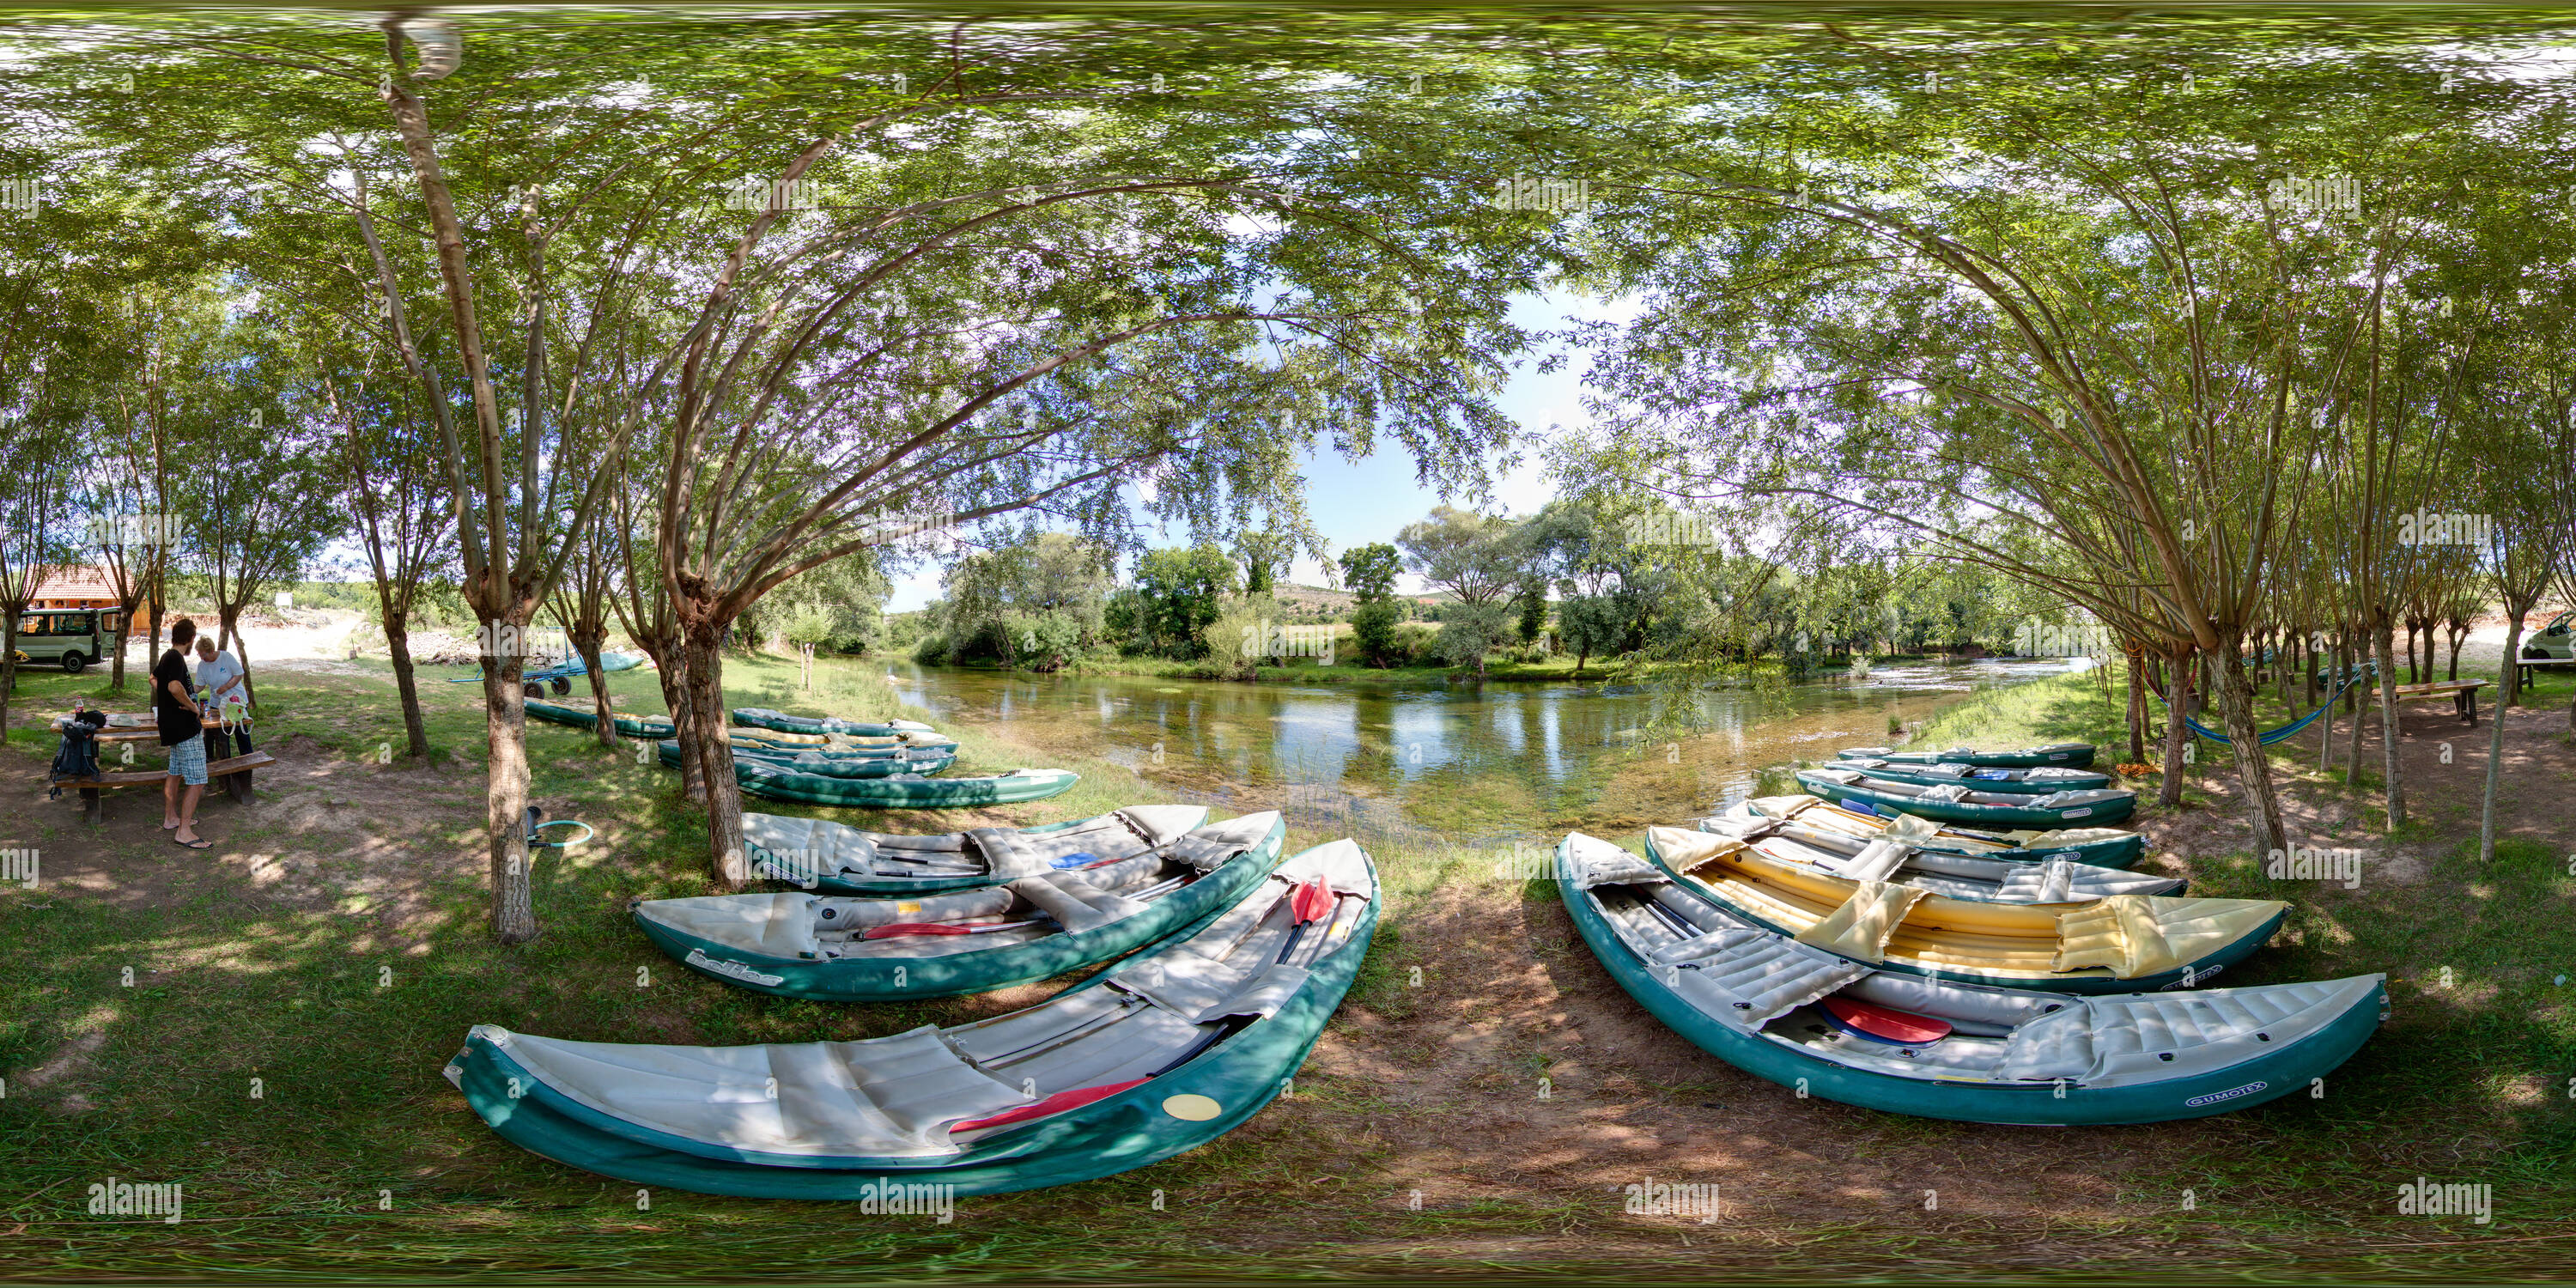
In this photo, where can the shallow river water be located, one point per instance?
(1463, 761)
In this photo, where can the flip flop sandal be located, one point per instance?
(198, 844)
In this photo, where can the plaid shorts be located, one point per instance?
(188, 761)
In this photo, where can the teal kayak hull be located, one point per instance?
(2240, 1086)
(1119, 1133)
(1992, 816)
(2064, 755)
(893, 979)
(905, 793)
(756, 719)
(878, 887)
(1922, 774)
(586, 718)
(772, 776)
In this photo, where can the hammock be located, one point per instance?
(2291, 729)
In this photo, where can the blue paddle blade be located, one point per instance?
(1074, 861)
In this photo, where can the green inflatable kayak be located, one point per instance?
(757, 769)
(2017, 782)
(1936, 1048)
(968, 941)
(1960, 876)
(1162, 1053)
(764, 718)
(2068, 755)
(588, 717)
(818, 854)
(1959, 803)
(2103, 847)
(907, 790)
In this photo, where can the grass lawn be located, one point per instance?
(333, 947)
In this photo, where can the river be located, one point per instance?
(1461, 761)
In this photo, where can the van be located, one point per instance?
(71, 638)
(2556, 640)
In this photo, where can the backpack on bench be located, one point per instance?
(77, 757)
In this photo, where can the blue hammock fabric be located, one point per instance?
(2288, 730)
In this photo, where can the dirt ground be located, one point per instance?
(1515, 1071)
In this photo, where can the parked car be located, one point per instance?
(2556, 640)
(71, 638)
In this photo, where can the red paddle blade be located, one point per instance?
(894, 930)
(1055, 1104)
(1312, 901)
(1902, 1027)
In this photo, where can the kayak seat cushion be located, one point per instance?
(1747, 977)
(1009, 855)
(1860, 927)
(2134, 934)
(1911, 828)
(1075, 904)
(1877, 861)
(1952, 792)
(1883, 1024)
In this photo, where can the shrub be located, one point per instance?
(932, 650)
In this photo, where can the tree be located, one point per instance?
(1472, 556)
(1036, 602)
(1182, 592)
(1265, 556)
(393, 476)
(1369, 573)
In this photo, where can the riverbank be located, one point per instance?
(1478, 1105)
(1559, 667)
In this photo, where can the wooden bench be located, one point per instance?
(2531, 667)
(233, 773)
(2462, 693)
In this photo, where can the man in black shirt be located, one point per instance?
(183, 731)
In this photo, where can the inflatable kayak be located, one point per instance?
(1959, 876)
(2106, 847)
(909, 790)
(1842, 1030)
(1959, 803)
(767, 766)
(1162, 1053)
(967, 941)
(586, 717)
(818, 854)
(2019, 782)
(2120, 943)
(2070, 755)
(764, 718)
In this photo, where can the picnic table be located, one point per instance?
(2530, 668)
(232, 773)
(2462, 693)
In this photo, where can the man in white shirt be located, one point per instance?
(219, 675)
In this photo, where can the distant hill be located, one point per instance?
(1328, 600)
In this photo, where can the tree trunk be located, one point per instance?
(2495, 735)
(8, 668)
(2253, 763)
(505, 797)
(671, 670)
(2388, 727)
(589, 648)
(2456, 637)
(2137, 704)
(227, 616)
(2177, 732)
(398, 645)
(124, 629)
(705, 684)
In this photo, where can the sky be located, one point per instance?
(1356, 503)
